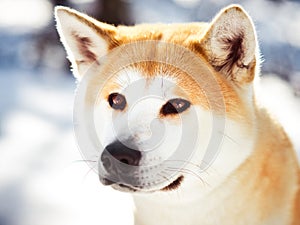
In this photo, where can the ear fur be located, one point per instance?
(230, 44)
(84, 38)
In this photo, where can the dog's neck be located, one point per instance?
(232, 199)
(177, 207)
(189, 205)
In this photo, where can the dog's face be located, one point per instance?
(171, 105)
(141, 121)
(150, 124)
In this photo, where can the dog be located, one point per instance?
(179, 124)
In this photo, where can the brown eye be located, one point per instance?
(175, 106)
(117, 101)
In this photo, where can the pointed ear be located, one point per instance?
(84, 38)
(230, 44)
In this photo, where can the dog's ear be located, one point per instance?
(230, 44)
(84, 38)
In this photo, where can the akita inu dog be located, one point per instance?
(175, 120)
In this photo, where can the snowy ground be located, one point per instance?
(42, 178)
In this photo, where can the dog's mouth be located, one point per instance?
(129, 188)
(174, 185)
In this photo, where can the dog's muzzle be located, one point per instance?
(120, 164)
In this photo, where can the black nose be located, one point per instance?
(117, 154)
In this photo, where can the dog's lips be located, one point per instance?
(174, 185)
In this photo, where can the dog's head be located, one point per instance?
(171, 105)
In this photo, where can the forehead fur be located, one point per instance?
(185, 86)
(173, 33)
(198, 93)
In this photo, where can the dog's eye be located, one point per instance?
(174, 106)
(117, 101)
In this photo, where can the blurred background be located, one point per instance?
(42, 178)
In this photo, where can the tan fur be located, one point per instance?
(267, 184)
(296, 206)
(264, 184)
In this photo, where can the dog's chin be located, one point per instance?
(131, 189)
